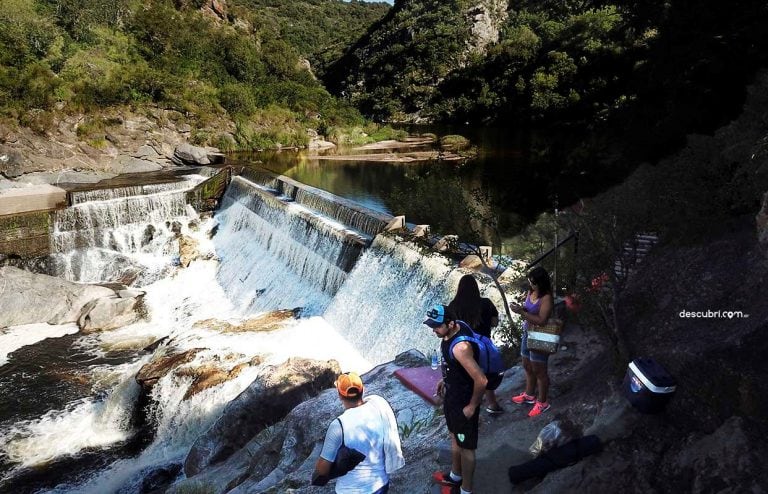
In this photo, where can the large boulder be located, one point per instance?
(27, 298)
(210, 375)
(110, 313)
(146, 152)
(189, 250)
(191, 155)
(129, 164)
(266, 401)
(152, 372)
(281, 457)
(11, 163)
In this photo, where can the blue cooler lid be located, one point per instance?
(653, 375)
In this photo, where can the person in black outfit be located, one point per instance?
(481, 315)
(462, 387)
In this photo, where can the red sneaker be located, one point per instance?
(444, 478)
(538, 409)
(523, 398)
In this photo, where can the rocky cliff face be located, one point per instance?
(696, 306)
(99, 146)
(706, 324)
(486, 18)
(411, 50)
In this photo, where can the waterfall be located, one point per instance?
(278, 254)
(81, 196)
(86, 423)
(115, 234)
(338, 208)
(381, 307)
(280, 245)
(178, 304)
(358, 218)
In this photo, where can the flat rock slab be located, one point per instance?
(420, 380)
(35, 198)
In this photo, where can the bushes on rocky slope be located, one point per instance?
(88, 55)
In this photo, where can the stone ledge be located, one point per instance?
(27, 199)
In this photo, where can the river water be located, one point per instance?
(67, 419)
(516, 175)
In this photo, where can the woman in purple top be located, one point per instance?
(536, 310)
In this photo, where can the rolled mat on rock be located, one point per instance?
(556, 458)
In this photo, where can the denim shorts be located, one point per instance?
(532, 355)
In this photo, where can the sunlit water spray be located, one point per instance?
(278, 254)
(87, 423)
(382, 305)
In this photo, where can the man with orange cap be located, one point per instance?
(368, 426)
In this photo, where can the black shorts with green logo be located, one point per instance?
(464, 429)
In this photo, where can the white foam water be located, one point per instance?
(110, 234)
(177, 303)
(382, 305)
(280, 255)
(86, 423)
(288, 257)
(180, 421)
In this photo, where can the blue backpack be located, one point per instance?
(488, 355)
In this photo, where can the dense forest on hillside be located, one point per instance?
(664, 67)
(648, 71)
(204, 59)
(319, 29)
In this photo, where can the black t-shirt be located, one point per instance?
(458, 384)
(487, 312)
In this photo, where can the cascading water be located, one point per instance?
(362, 302)
(280, 254)
(339, 209)
(381, 307)
(360, 220)
(114, 234)
(79, 197)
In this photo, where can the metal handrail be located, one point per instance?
(573, 236)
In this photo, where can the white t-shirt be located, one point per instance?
(364, 430)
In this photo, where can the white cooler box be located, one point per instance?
(648, 386)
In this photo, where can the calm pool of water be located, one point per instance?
(515, 176)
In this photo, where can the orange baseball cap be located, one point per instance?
(349, 385)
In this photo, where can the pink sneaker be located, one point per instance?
(523, 398)
(538, 409)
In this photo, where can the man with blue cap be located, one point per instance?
(463, 387)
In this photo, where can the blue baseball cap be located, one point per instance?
(435, 316)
